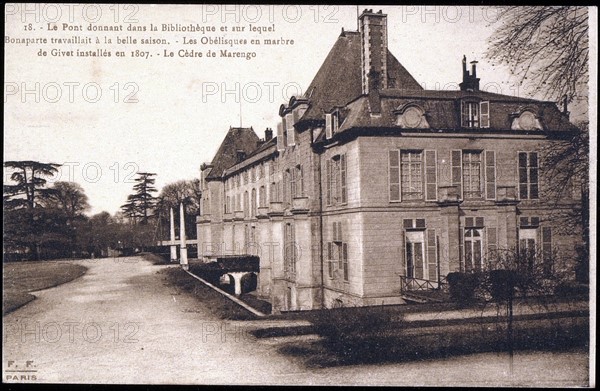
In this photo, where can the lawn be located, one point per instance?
(213, 300)
(20, 278)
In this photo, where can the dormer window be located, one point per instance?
(526, 119)
(290, 131)
(475, 114)
(332, 124)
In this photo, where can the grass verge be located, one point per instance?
(20, 278)
(218, 304)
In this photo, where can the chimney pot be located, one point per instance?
(268, 134)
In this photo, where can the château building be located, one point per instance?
(372, 182)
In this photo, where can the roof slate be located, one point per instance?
(243, 139)
(339, 79)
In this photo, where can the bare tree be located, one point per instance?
(546, 46)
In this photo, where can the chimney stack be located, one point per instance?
(374, 43)
(268, 134)
(374, 97)
(470, 81)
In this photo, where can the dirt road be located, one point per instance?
(120, 323)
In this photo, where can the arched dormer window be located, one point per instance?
(526, 119)
(411, 116)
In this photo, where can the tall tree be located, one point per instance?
(29, 183)
(545, 46)
(27, 224)
(549, 47)
(171, 195)
(566, 164)
(70, 200)
(140, 204)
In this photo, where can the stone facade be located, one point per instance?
(366, 182)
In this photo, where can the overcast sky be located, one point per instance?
(181, 115)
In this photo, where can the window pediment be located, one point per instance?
(526, 119)
(411, 116)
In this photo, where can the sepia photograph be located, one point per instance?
(343, 195)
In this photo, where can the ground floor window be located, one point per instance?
(527, 249)
(414, 245)
(473, 249)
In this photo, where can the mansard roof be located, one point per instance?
(339, 80)
(442, 110)
(237, 139)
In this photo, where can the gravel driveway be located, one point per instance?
(121, 323)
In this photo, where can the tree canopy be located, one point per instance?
(547, 47)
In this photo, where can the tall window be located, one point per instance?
(290, 251)
(337, 253)
(299, 181)
(473, 246)
(262, 197)
(414, 254)
(411, 175)
(472, 183)
(336, 189)
(246, 204)
(527, 249)
(253, 203)
(528, 175)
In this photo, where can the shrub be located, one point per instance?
(502, 284)
(462, 287)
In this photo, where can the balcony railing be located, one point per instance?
(408, 284)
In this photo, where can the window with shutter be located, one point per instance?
(345, 261)
(431, 175)
(262, 197)
(280, 140)
(328, 180)
(394, 175)
(291, 132)
(492, 244)
(253, 204)
(484, 108)
(335, 232)
(330, 259)
(299, 181)
(490, 175)
(293, 189)
(328, 126)
(343, 188)
(432, 255)
(457, 171)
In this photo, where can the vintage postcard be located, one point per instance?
(299, 195)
